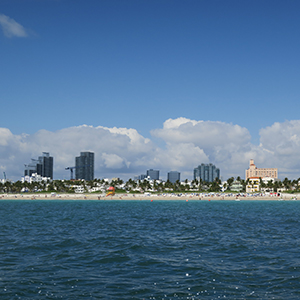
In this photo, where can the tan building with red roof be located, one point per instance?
(253, 171)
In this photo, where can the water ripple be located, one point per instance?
(149, 250)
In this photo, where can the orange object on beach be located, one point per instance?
(110, 191)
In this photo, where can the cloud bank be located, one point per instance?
(123, 152)
(11, 28)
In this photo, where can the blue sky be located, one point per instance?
(136, 64)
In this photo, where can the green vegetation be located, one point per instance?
(142, 186)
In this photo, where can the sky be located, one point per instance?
(162, 84)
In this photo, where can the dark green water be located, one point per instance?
(149, 250)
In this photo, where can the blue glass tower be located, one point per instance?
(206, 172)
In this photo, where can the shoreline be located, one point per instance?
(150, 197)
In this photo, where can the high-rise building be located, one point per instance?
(31, 167)
(206, 172)
(46, 162)
(173, 176)
(140, 177)
(84, 166)
(153, 174)
(42, 166)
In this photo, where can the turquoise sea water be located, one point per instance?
(149, 250)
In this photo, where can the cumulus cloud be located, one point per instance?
(118, 151)
(113, 161)
(11, 28)
(201, 133)
(229, 146)
(225, 145)
(123, 152)
(282, 142)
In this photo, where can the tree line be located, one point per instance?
(68, 186)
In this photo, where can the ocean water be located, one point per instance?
(149, 250)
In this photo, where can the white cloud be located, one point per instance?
(117, 152)
(282, 141)
(225, 145)
(124, 152)
(202, 133)
(113, 161)
(11, 28)
(228, 146)
(6, 135)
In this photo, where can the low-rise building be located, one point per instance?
(236, 186)
(268, 184)
(266, 180)
(253, 185)
(35, 177)
(78, 189)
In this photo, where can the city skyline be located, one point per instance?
(150, 84)
(84, 169)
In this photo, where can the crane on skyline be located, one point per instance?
(71, 173)
(72, 170)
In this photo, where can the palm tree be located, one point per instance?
(7, 186)
(214, 186)
(294, 184)
(17, 187)
(270, 185)
(277, 185)
(50, 187)
(230, 181)
(287, 183)
(200, 184)
(168, 185)
(161, 187)
(262, 184)
(154, 185)
(243, 182)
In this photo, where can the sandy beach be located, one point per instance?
(147, 197)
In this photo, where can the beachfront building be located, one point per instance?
(268, 183)
(253, 185)
(266, 180)
(206, 172)
(153, 174)
(173, 176)
(236, 186)
(84, 166)
(35, 178)
(253, 171)
(42, 166)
